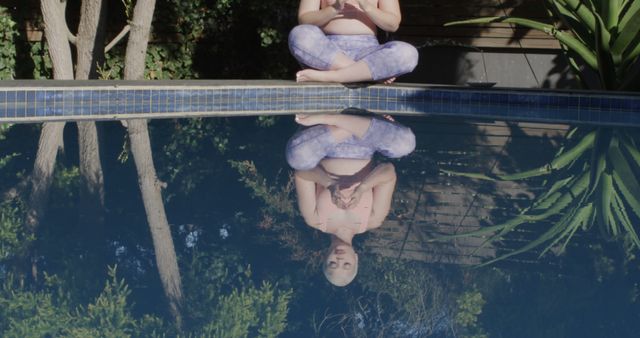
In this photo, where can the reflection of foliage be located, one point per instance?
(278, 215)
(221, 300)
(400, 299)
(595, 179)
(7, 45)
(189, 139)
(14, 240)
(48, 313)
(470, 305)
(250, 313)
(592, 181)
(277, 200)
(4, 159)
(66, 181)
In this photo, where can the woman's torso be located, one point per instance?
(354, 21)
(333, 218)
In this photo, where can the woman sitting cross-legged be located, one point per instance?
(340, 190)
(337, 39)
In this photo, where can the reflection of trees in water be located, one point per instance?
(394, 299)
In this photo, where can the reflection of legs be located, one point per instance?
(309, 146)
(347, 136)
(391, 139)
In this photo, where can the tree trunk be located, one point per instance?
(55, 27)
(90, 39)
(150, 186)
(55, 30)
(90, 52)
(50, 142)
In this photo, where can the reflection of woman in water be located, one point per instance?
(340, 191)
(337, 38)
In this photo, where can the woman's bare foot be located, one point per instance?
(312, 75)
(389, 80)
(311, 119)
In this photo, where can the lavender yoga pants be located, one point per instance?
(309, 146)
(313, 48)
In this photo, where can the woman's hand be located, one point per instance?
(354, 199)
(337, 197)
(365, 5)
(337, 4)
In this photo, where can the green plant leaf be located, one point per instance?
(571, 42)
(627, 13)
(571, 223)
(628, 30)
(604, 197)
(469, 175)
(579, 216)
(606, 62)
(564, 159)
(625, 180)
(544, 201)
(570, 20)
(581, 11)
(623, 217)
(560, 204)
(633, 151)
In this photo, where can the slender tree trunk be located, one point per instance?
(90, 52)
(55, 27)
(55, 30)
(90, 39)
(150, 186)
(50, 142)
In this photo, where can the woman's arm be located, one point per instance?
(306, 191)
(309, 12)
(386, 16)
(383, 182)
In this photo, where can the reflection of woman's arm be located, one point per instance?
(306, 189)
(383, 181)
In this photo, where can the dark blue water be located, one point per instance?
(235, 224)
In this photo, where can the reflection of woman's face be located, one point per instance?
(342, 259)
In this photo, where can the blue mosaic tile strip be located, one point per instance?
(38, 101)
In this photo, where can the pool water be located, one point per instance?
(232, 208)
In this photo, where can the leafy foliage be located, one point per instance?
(470, 305)
(222, 300)
(8, 34)
(604, 35)
(13, 238)
(27, 313)
(278, 214)
(250, 313)
(594, 180)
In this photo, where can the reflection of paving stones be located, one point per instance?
(429, 203)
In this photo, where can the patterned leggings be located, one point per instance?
(313, 48)
(309, 146)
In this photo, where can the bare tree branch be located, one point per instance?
(117, 39)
